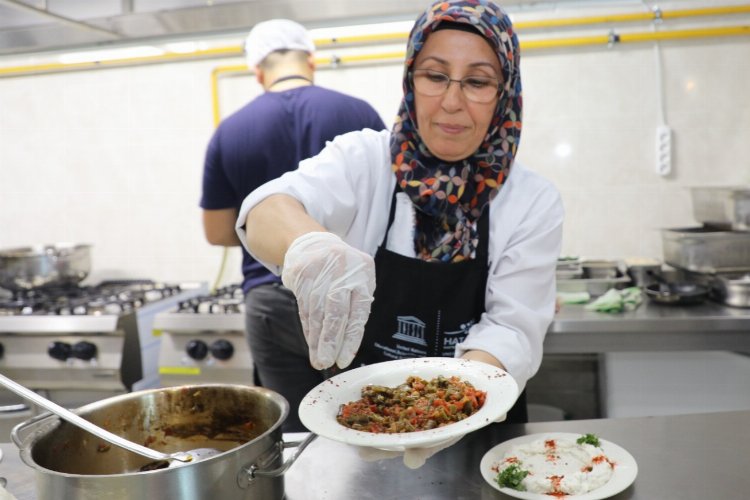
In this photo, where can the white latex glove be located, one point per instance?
(334, 284)
(414, 458)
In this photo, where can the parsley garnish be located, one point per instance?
(588, 439)
(511, 477)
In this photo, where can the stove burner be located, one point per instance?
(227, 300)
(108, 297)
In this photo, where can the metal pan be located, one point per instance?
(676, 294)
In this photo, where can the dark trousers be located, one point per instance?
(278, 347)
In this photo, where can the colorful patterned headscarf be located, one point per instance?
(450, 197)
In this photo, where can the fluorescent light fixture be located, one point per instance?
(111, 54)
(185, 47)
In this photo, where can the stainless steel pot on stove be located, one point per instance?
(732, 290)
(243, 422)
(25, 268)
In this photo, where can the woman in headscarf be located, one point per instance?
(426, 240)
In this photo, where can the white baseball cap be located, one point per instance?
(276, 34)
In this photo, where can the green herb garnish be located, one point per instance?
(511, 477)
(589, 439)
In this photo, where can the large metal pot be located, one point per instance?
(44, 265)
(243, 422)
(732, 290)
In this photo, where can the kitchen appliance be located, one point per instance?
(79, 344)
(203, 340)
(726, 207)
(731, 289)
(243, 422)
(706, 249)
(37, 266)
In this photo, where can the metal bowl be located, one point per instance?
(41, 266)
(732, 290)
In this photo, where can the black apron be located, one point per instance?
(423, 309)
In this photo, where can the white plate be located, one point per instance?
(319, 408)
(624, 474)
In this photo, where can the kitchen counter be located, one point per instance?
(690, 457)
(650, 327)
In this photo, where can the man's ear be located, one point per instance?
(260, 75)
(311, 61)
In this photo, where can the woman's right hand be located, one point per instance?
(334, 285)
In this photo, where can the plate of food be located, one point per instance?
(408, 403)
(559, 465)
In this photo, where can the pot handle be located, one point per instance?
(15, 434)
(14, 408)
(254, 471)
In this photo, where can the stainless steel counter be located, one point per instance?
(650, 327)
(686, 457)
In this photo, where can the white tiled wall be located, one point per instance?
(113, 157)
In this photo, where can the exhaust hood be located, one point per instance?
(48, 25)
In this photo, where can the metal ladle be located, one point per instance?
(159, 458)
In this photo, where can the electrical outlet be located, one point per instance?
(663, 150)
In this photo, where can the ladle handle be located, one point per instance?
(84, 424)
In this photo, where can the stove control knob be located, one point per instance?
(197, 349)
(222, 349)
(59, 350)
(84, 350)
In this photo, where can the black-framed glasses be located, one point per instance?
(479, 89)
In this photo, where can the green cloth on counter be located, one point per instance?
(573, 297)
(615, 301)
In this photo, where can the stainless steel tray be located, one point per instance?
(594, 286)
(704, 250)
(727, 207)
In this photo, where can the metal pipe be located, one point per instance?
(637, 16)
(16, 4)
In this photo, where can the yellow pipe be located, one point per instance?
(635, 37)
(638, 16)
(389, 37)
(168, 57)
(707, 11)
(683, 34)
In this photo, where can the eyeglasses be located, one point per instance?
(479, 89)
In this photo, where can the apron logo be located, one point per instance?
(450, 339)
(410, 329)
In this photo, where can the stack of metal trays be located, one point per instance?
(707, 250)
(595, 277)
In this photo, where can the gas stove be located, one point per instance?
(109, 297)
(203, 340)
(91, 341)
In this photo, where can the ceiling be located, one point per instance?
(46, 25)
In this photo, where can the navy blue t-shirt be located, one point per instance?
(270, 136)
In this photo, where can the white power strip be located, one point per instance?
(663, 150)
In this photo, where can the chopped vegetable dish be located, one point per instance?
(417, 405)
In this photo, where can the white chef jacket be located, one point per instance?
(348, 189)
